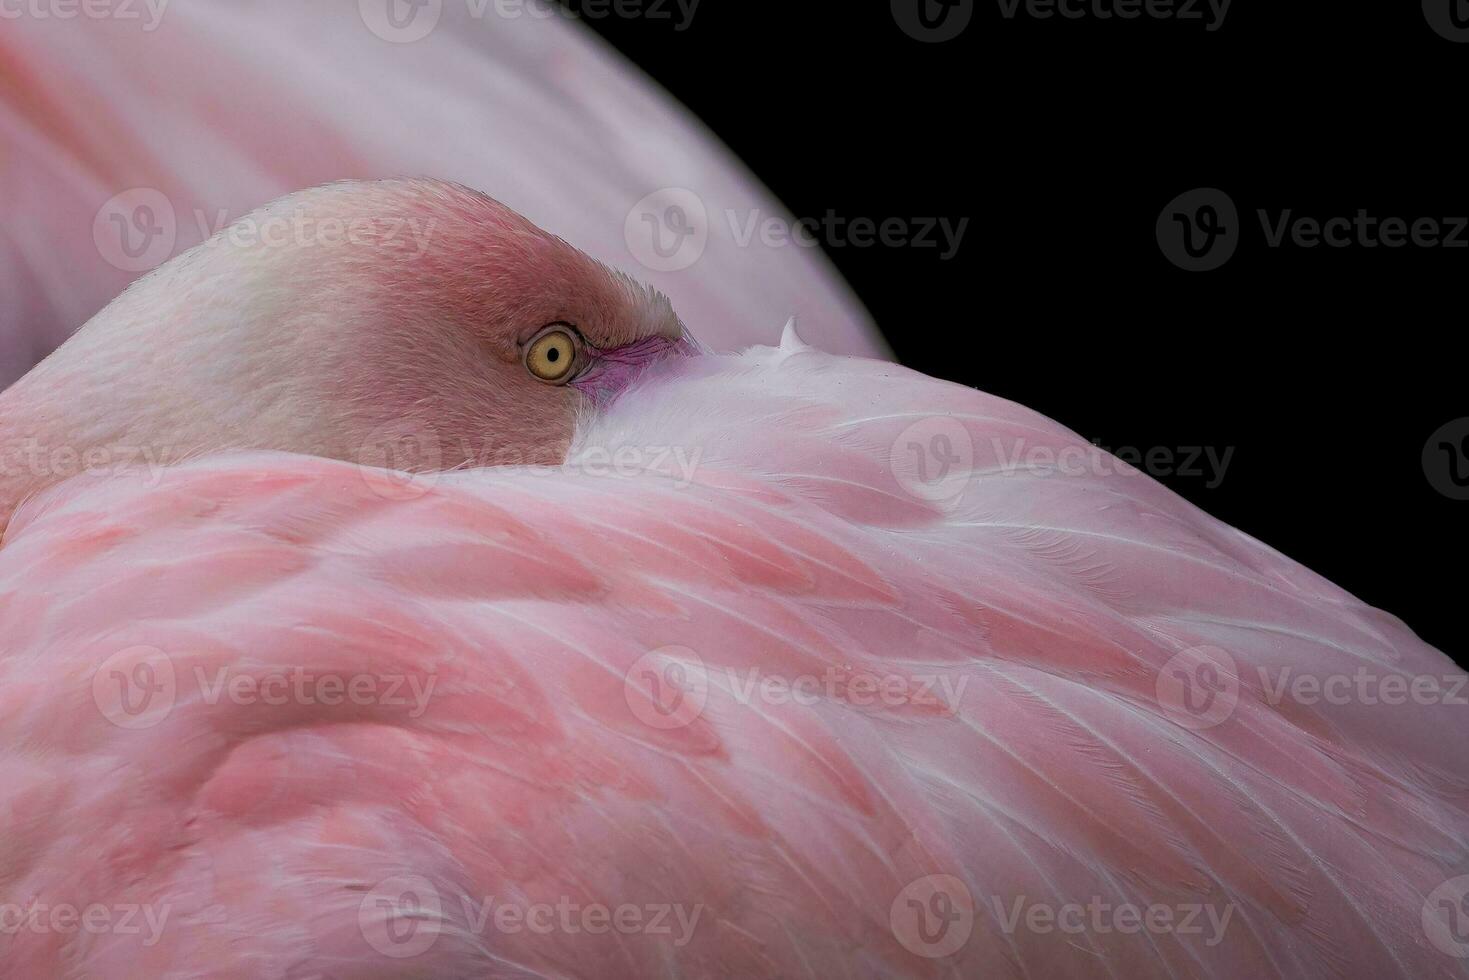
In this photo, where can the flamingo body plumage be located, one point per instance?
(777, 691)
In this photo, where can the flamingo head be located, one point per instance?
(339, 321)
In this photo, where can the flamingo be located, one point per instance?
(343, 635)
(412, 650)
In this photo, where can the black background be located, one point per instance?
(1326, 369)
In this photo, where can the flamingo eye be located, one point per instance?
(552, 355)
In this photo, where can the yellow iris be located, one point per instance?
(551, 356)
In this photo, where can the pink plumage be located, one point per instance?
(816, 674)
(798, 665)
(212, 108)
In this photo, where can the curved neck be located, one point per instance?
(33, 455)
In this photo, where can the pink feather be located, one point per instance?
(990, 721)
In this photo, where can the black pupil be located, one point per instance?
(553, 355)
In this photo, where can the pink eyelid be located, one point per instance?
(612, 369)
